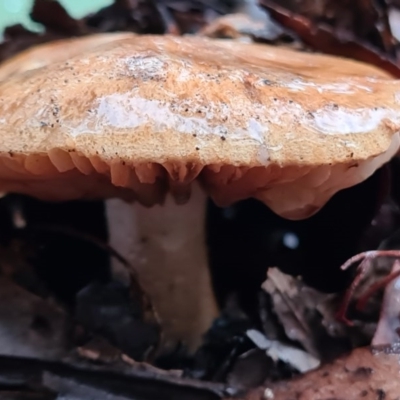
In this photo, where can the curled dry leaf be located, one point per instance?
(364, 19)
(285, 293)
(308, 316)
(323, 38)
(242, 26)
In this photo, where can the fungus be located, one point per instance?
(157, 123)
(57, 50)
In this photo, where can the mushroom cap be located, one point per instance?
(138, 117)
(47, 53)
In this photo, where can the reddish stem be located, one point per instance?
(370, 254)
(365, 259)
(362, 301)
(361, 270)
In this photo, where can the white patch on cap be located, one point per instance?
(125, 111)
(345, 121)
(149, 67)
(344, 87)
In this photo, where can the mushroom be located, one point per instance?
(47, 53)
(157, 123)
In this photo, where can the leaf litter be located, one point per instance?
(290, 326)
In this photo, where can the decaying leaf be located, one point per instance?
(75, 379)
(364, 19)
(297, 358)
(108, 309)
(307, 316)
(31, 326)
(242, 26)
(323, 38)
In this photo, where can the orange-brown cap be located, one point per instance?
(135, 117)
(47, 53)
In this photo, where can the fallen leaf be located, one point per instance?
(305, 314)
(242, 26)
(323, 38)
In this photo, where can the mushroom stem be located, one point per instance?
(166, 245)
